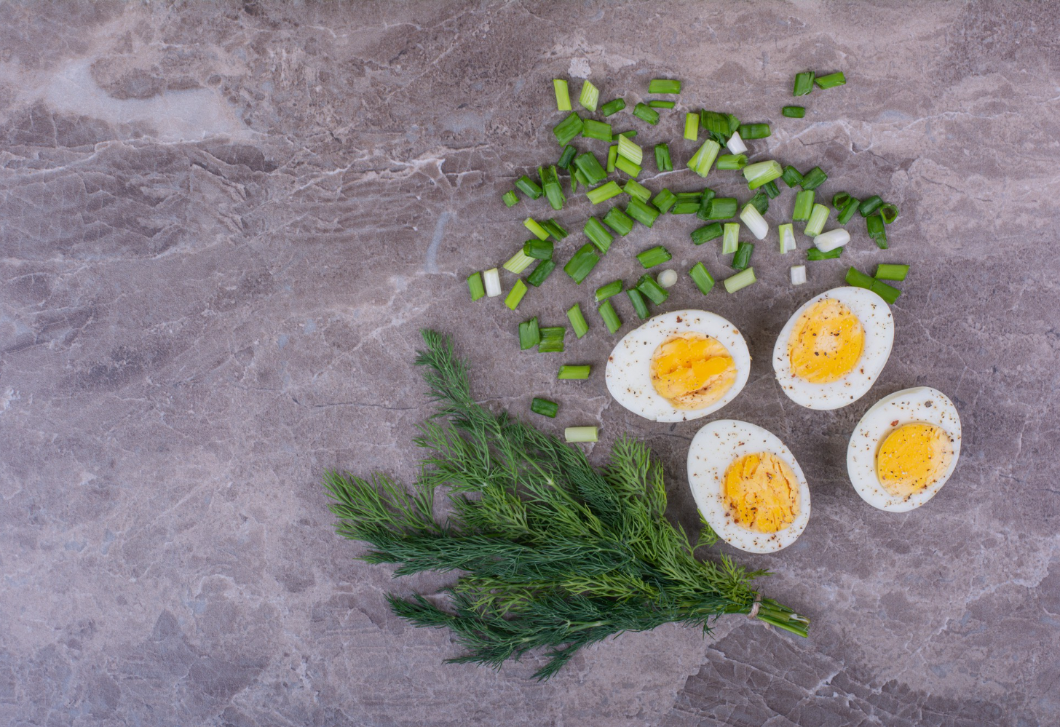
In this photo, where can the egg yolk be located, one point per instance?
(912, 457)
(762, 492)
(692, 371)
(826, 342)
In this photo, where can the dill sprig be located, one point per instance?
(553, 552)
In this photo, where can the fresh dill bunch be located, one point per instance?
(553, 552)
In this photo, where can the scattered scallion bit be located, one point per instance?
(568, 372)
(492, 280)
(553, 190)
(642, 212)
(735, 144)
(814, 254)
(889, 213)
(612, 157)
(474, 284)
(529, 334)
(612, 107)
(555, 229)
(831, 240)
(848, 210)
(803, 205)
(662, 158)
(818, 216)
(786, 234)
(589, 165)
(552, 339)
(701, 278)
(592, 129)
(631, 134)
(590, 95)
(685, 206)
(568, 129)
(625, 165)
(754, 131)
(519, 262)
(618, 221)
(538, 249)
(628, 149)
(577, 321)
(661, 104)
(798, 274)
(582, 263)
(840, 199)
(793, 112)
(598, 234)
(544, 407)
(637, 301)
(731, 240)
(646, 113)
(538, 231)
(637, 190)
(732, 161)
(515, 295)
(664, 200)
(860, 280)
(664, 85)
(877, 230)
(890, 271)
(813, 178)
(568, 153)
(705, 198)
(611, 319)
(654, 256)
(692, 127)
(739, 281)
(707, 233)
(606, 291)
(742, 259)
(722, 208)
(754, 220)
(870, 205)
(667, 278)
(575, 435)
(510, 198)
(651, 290)
(791, 176)
(604, 192)
(803, 83)
(771, 189)
(541, 272)
(831, 80)
(528, 187)
(761, 173)
(703, 159)
(760, 202)
(715, 124)
(562, 94)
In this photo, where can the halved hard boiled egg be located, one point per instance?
(679, 366)
(832, 350)
(748, 486)
(904, 449)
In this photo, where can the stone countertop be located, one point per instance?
(221, 227)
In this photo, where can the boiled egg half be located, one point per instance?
(748, 486)
(904, 449)
(832, 350)
(679, 366)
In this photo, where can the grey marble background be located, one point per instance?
(222, 225)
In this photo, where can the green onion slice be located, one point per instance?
(510, 199)
(529, 334)
(598, 234)
(703, 159)
(814, 254)
(877, 231)
(566, 130)
(739, 281)
(762, 173)
(474, 284)
(803, 83)
(701, 278)
(664, 85)
(661, 104)
(590, 95)
(692, 127)
(870, 205)
(730, 241)
(544, 407)
(604, 192)
(577, 321)
(793, 112)
(515, 295)
(644, 112)
(625, 165)
(760, 202)
(541, 273)
(818, 216)
(662, 159)
(538, 249)
(754, 131)
(831, 80)
(803, 205)
(562, 94)
(592, 129)
(606, 291)
(612, 107)
(889, 213)
(630, 150)
(642, 212)
(771, 189)
(848, 210)
(612, 157)
(664, 200)
(552, 339)
(618, 221)
(611, 319)
(742, 259)
(580, 434)
(554, 228)
(528, 187)
(786, 234)
(732, 161)
(722, 208)
(589, 165)
(707, 233)
(519, 262)
(859, 279)
(637, 300)
(889, 271)
(654, 256)
(813, 178)
(568, 154)
(582, 263)
(791, 176)
(652, 290)
(637, 190)
(574, 373)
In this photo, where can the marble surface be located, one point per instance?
(221, 226)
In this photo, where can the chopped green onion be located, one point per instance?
(566, 130)
(630, 150)
(667, 278)
(611, 319)
(798, 274)
(664, 200)
(848, 210)
(818, 216)
(840, 199)
(715, 124)
(544, 407)
(793, 112)
(760, 202)
(828, 241)
(803, 83)
(589, 96)
(803, 205)
(606, 291)
(664, 85)
(791, 176)
(589, 165)
(637, 190)
(492, 280)
(577, 321)
(550, 183)
(771, 189)
(474, 284)
(637, 300)
(598, 234)
(813, 178)
(582, 263)
(662, 158)
(889, 213)
(580, 434)
(707, 233)
(705, 198)
(786, 233)
(661, 104)
(510, 200)
(593, 129)
(742, 258)
(618, 221)
(612, 107)
(631, 134)
(754, 220)
(644, 112)
(685, 206)
(730, 242)
(541, 273)
(554, 228)
(739, 281)
(538, 249)
(604, 192)
(761, 173)
(515, 295)
(654, 256)
(539, 232)
(625, 165)
(870, 205)
(552, 339)
(612, 157)
(701, 278)
(732, 161)
(877, 232)
(574, 373)
(860, 280)
(528, 187)
(652, 290)
(518, 263)
(735, 144)
(722, 208)
(562, 94)
(888, 271)
(692, 127)
(642, 212)
(753, 131)
(568, 154)
(814, 254)
(831, 80)
(702, 160)
(529, 334)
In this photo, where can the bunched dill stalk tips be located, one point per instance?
(553, 552)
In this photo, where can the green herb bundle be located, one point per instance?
(554, 553)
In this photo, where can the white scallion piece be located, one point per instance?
(580, 434)
(828, 241)
(668, 278)
(731, 238)
(492, 279)
(787, 238)
(798, 274)
(735, 144)
(755, 222)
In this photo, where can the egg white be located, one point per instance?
(922, 404)
(878, 324)
(628, 372)
(714, 448)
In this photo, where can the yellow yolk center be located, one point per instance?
(762, 492)
(912, 457)
(826, 343)
(692, 371)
